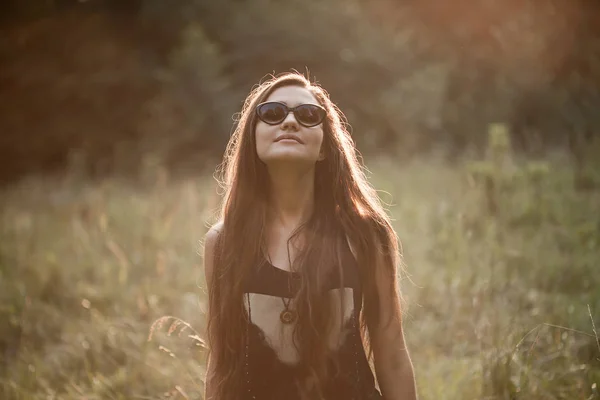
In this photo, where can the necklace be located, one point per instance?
(287, 315)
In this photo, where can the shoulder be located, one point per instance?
(213, 234)
(351, 247)
(210, 243)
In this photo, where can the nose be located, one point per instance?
(290, 123)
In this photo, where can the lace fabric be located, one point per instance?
(268, 377)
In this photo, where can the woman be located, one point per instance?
(302, 268)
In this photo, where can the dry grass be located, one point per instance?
(102, 291)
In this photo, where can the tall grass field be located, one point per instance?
(102, 292)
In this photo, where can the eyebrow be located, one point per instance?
(299, 103)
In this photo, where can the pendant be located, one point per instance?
(287, 316)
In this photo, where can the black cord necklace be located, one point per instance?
(287, 315)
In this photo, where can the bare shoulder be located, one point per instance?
(213, 233)
(210, 242)
(352, 247)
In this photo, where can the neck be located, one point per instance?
(291, 195)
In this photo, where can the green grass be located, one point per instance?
(496, 302)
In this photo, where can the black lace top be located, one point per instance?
(270, 371)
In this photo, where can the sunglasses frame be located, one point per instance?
(293, 110)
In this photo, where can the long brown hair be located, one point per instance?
(346, 207)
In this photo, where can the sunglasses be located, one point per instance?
(274, 113)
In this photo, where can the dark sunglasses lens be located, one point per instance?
(272, 113)
(309, 114)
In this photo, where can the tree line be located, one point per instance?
(114, 80)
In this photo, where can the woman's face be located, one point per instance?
(289, 140)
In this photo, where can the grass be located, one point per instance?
(102, 293)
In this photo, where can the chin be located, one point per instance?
(289, 157)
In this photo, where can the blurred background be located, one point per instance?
(479, 122)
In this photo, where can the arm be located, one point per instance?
(209, 256)
(393, 366)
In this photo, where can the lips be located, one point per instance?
(290, 137)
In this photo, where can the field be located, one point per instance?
(102, 294)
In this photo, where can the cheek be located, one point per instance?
(319, 139)
(260, 137)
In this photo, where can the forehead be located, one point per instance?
(292, 96)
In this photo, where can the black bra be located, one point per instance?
(270, 280)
